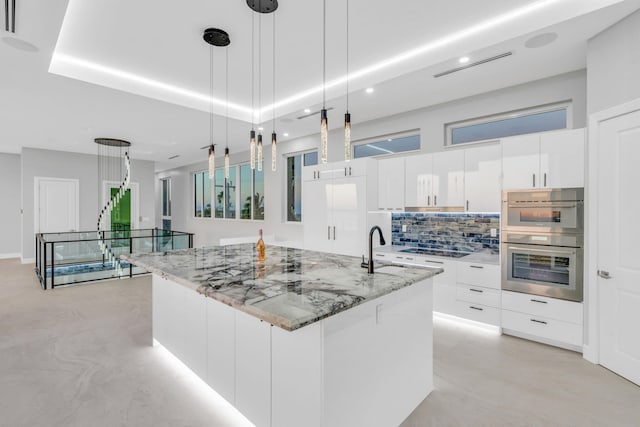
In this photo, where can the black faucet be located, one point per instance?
(382, 242)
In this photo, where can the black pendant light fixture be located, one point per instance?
(226, 119)
(274, 143)
(347, 115)
(324, 125)
(220, 38)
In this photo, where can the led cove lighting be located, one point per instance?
(60, 57)
(394, 60)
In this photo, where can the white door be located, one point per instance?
(482, 172)
(348, 207)
(557, 150)
(448, 178)
(56, 209)
(316, 215)
(521, 162)
(618, 250)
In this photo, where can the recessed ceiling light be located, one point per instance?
(285, 134)
(260, 128)
(463, 60)
(389, 139)
(307, 110)
(369, 90)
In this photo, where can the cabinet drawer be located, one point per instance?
(478, 312)
(543, 327)
(552, 308)
(471, 273)
(448, 277)
(444, 299)
(478, 295)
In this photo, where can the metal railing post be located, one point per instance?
(171, 239)
(45, 266)
(130, 252)
(53, 265)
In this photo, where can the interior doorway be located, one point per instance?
(125, 216)
(56, 205)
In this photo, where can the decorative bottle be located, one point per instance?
(260, 248)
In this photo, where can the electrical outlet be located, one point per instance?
(404, 228)
(494, 232)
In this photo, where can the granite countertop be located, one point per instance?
(291, 289)
(481, 257)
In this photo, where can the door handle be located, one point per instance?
(545, 179)
(428, 200)
(467, 206)
(314, 174)
(328, 232)
(604, 274)
(435, 200)
(334, 232)
(534, 180)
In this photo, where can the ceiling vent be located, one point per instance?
(473, 64)
(313, 113)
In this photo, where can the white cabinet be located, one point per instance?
(478, 292)
(549, 320)
(335, 203)
(482, 178)
(391, 183)
(546, 160)
(435, 180)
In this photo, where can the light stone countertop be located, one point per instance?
(291, 289)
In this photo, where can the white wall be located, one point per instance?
(613, 61)
(83, 167)
(430, 121)
(10, 212)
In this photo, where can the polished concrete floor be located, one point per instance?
(81, 356)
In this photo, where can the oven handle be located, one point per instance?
(542, 205)
(549, 251)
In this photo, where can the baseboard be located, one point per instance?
(27, 260)
(8, 256)
(542, 340)
(590, 354)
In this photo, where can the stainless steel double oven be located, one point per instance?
(542, 242)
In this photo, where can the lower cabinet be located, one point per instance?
(548, 320)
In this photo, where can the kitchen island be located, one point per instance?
(303, 338)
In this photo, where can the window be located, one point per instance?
(294, 183)
(202, 196)
(244, 188)
(391, 144)
(531, 120)
(230, 194)
(258, 194)
(166, 203)
(219, 192)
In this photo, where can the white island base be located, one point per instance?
(370, 365)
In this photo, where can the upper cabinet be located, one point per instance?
(435, 180)
(482, 173)
(546, 160)
(391, 183)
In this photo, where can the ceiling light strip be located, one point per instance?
(473, 64)
(63, 58)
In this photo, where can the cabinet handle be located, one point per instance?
(380, 255)
(334, 232)
(314, 174)
(433, 262)
(467, 205)
(345, 171)
(435, 200)
(539, 321)
(410, 259)
(328, 232)
(545, 179)
(428, 200)
(318, 174)
(539, 301)
(476, 266)
(476, 290)
(476, 308)
(399, 257)
(349, 170)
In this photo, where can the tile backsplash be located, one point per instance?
(462, 232)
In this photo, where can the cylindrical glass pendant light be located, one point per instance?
(259, 152)
(252, 148)
(226, 163)
(274, 156)
(347, 137)
(324, 135)
(212, 161)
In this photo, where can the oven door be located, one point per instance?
(543, 270)
(555, 217)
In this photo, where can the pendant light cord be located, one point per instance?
(226, 122)
(273, 87)
(259, 70)
(210, 94)
(324, 52)
(347, 56)
(253, 78)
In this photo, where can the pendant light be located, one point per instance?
(213, 37)
(324, 125)
(252, 134)
(274, 143)
(260, 92)
(347, 116)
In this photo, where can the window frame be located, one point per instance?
(380, 138)
(195, 176)
(168, 217)
(285, 186)
(522, 112)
